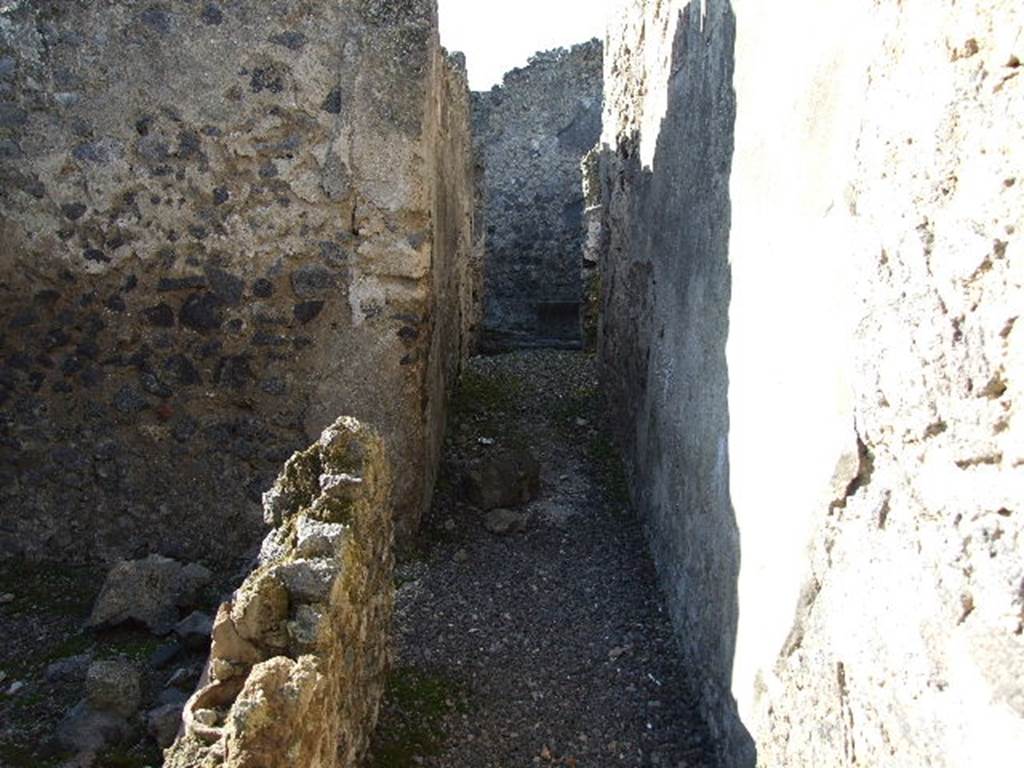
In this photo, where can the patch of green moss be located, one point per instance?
(134, 644)
(49, 588)
(415, 705)
(608, 468)
(24, 756)
(601, 449)
(71, 645)
(139, 756)
(581, 403)
(484, 397)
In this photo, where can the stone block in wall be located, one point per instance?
(221, 224)
(299, 656)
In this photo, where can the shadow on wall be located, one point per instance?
(665, 323)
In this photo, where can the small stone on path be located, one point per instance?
(195, 630)
(164, 655)
(6, 598)
(505, 521)
(70, 669)
(87, 730)
(507, 478)
(180, 678)
(207, 717)
(163, 723)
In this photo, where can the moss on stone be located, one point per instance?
(301, 478)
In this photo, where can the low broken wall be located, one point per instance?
(299, 657)
(810, 329)
(531, 133)
(220, 226)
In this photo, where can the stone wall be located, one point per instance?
(221, 225)
(810, 297)
(530, 134)
(669, 110)
(299, 656)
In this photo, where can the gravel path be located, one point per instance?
(548, 647)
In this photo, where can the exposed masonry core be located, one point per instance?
(300, 655)
(531, 134)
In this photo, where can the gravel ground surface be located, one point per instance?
(45, 651)
(545, 647)
(41, 616)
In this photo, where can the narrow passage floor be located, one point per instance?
(547, 644)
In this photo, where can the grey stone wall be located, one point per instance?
(531, 134)
(218, 222)
(810, 295)
(664, 319)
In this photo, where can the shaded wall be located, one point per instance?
(817, 356)
(666, 284)
(530, 135)
(219, 228)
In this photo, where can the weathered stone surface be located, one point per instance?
(149, 591)
(813, 346)
(299, 657)
(316, 539)
(87, 730)
(163, 722)
(506, 478)
(195, 629)
(665, 302)
(69, 670)
(114, 686)
(243, 201)
(530, 135)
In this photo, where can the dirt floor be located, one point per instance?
(549, 646)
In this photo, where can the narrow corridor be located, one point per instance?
(547, 645)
